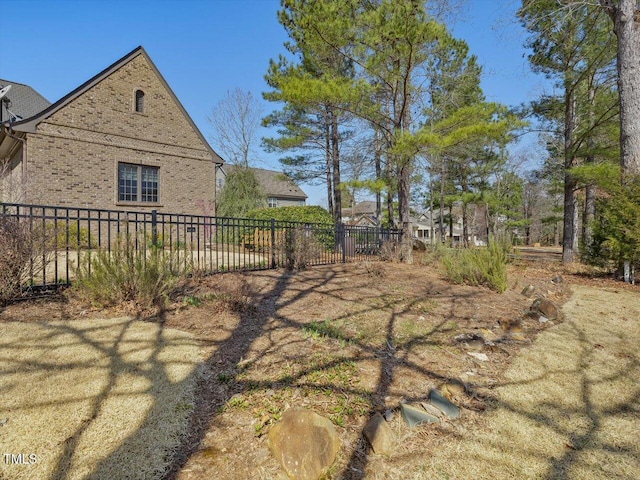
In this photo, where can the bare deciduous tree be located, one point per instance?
(235, 121)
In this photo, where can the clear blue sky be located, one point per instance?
(205, 47)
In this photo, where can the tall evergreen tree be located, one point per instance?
(626, 25)
(570, 44)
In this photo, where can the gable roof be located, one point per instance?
(24, 101)
(275, 184)
(29, 124)
(367, 207)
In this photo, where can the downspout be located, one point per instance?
(24, 157)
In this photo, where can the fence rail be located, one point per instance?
(63, 237)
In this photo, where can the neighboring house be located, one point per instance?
(426, 226)
(280, 190)
(121, 140)
(361, 214)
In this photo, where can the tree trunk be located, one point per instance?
(378, 166)
(431, 232)
(568, 238)
(465, 228)
(442, 173)
(626, 21)
(327, 154)
(404, 181)
(451, 224)
(335, 163)
(589, 191)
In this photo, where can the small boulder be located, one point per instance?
(518, 336)
(419, 245)
(542, 307)
(479, 356)
(379, 435)
(305, 444)
(471, 341)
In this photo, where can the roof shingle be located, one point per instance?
(24, 101)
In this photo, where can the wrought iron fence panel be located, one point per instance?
(67, 236)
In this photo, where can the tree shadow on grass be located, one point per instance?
(273, 328)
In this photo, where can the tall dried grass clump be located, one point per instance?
(390, 252)
(477, 266)
(130, 272)
(301, 248)
(24, 253)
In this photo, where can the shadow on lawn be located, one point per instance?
(263, 322)
(267, 320)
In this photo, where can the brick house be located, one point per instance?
(122, 140)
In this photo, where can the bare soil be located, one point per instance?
(344, 340)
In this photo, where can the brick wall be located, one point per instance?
(73, 156)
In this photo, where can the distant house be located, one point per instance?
(427, 226)
(360, 214)
(121, 140)
(280, 190)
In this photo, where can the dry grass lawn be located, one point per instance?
(112, 399)
(93, 398)
(570, 404)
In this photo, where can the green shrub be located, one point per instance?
(78, 237)
(616, 237)
(477, 266)
(126, 274)
(303, 214)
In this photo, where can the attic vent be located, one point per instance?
(139, 101)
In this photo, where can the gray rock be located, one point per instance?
(419, 245)
(304, 443)
(557, 280)
(379, 435)
(528, 291)
(471, 341)
(544, 308)
(414, 416)
(445, 406)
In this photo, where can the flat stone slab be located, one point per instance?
(450, 410)
(414, 416)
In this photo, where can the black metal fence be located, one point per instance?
(64, 237)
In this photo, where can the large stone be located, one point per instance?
(305, 444)
(545, 308)
(419, 245)
(379, 435)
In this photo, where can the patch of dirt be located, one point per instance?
(346, 341)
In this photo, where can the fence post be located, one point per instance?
(154, 227)
(273, 243)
